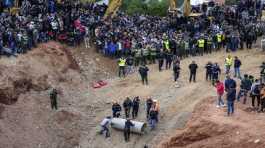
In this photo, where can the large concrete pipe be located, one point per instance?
(119, 123)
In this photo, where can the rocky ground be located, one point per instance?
(26, 120)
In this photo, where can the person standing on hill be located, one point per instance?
(176, 70)
(262, 97)
(237, 65)
(230, 88)
(135, 106)
(127, 129)
(143, 71)
(228, 64)
(148, 105)
(116, 109)
(53, 97)
(209, 70)
(220, 92)
(127, 105)
(255, 93)
(122, 64)
(216, 71)
(193, 69)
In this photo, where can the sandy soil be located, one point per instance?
(28, 121)
(210, 128)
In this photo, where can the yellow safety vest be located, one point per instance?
(219, 38)
(166, 44)
(122, 62)
(228, 61)
(201, 43)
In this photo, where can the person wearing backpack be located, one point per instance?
(255, 93)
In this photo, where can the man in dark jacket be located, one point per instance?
(209, 68)
(176, 70)
(149, 103)
(53, 97)
(193, 69)
(116, 109)
(215, 73)
(127, 129)
(127, 105)
(237, 65)
(143, 71)
(136, 103)
(231, 97)
(160, 58)
(244, 88)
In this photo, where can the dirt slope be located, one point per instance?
(26, 120)
(209, 127)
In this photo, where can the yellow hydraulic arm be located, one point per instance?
(172, 5)
(114, 6)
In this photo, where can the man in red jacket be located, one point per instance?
(220, 92)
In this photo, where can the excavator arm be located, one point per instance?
(113, 7)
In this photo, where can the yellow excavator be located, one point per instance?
(185, 8)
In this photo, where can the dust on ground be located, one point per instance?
(26, 120)
(210, 128)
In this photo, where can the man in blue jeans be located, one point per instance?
(230, 88)
(231, 97)
(237, 65)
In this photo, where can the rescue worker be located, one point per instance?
(209, 69)
(230, 88)
(166, 45)
(148, 104)
(176, 70)
(245, 87)
(127, 105)
(209, 44)
(143, 71)
(193, 69)
(122, 64)
(53, 97)
(152, 118)
(219, 41)
(160, 60)
(201, 42)
(255, 93)
(105, 126)
(228, 64)
(135, 106)
(127, 129)
(216, 71)
(137, 56)
(237, 65)
(145, 53)
(262, 72)
(129, 64)
(116, 109)
(262, 97)
(153, 54)
(169, 59)
(156, 108)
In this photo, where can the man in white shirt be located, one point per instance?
(105, 126)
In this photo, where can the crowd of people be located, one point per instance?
(39, 21)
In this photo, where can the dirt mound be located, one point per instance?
(209, 127)
(26, 119)
(22, 75)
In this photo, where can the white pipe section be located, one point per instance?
(119, 123)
